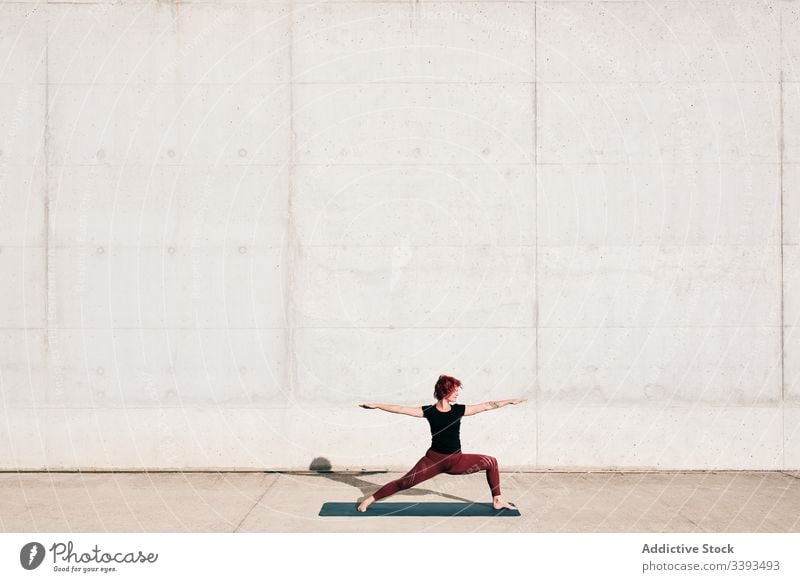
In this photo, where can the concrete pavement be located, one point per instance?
(717, 501)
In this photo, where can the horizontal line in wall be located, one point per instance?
(334, 165)
(764, 245)
(674, 326)
(662, 163)
(31, 329)
(140, 84)
(555, 402)
(397, 328)
(366, 2)
(733, 327)
(531, 328)
(256, 2)
(474, 1)
(609, 83)
(195, 407)
(243, 242)
(543, 470)
(296, 327)
(205, 470)
(110, 244)
(210, 247)
(469, 1)
(487, 164)
(419, 81)
(662, 246)
(359, 2)
(691, 407)
(387, 328)
(657, 406)
(123, 165)
(777, 82)
(193, 84)
(761, 161)
(60, 330)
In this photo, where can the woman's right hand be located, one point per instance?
(370, 406)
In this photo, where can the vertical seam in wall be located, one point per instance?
(46, 147)
(780, 183)
(291, 360)
(536, 238)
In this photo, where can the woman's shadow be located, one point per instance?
(322, 466)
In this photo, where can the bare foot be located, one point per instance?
(366, 503)
(498, 503)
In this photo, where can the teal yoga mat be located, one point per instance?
(350, 508)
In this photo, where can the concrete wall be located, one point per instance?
(224, 224)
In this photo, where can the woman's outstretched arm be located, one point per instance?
(409, 410)
(491, 405)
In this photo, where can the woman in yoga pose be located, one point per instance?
(444, 455)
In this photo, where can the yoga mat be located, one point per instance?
(350, 508)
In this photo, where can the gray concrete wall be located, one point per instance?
(224, 224)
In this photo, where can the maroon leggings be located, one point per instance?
(434, 463)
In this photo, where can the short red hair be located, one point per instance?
(444, 386)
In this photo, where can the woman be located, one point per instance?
(444, 455)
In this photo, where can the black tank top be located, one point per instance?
(444, 427)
